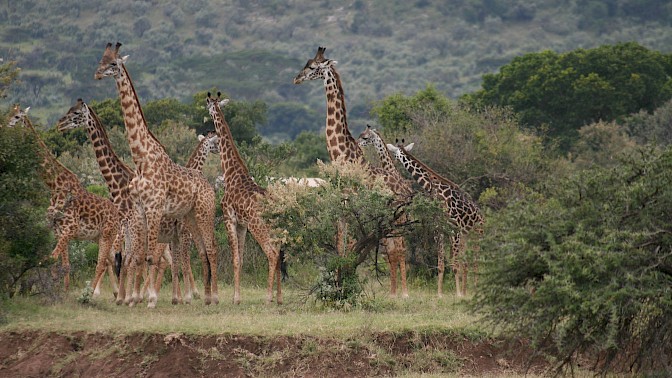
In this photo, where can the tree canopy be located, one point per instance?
(559, 93)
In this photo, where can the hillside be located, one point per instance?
(252, 49)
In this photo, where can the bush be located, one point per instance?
(24, 237)
(585, 269)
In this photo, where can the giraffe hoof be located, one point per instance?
(175, 301)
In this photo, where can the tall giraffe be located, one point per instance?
(340, 143)
(396, 246)
(161, 187)
(75, 213)
(240, 205)
(118, 176)
(460, 209)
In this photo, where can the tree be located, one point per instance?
(562, 92)
(288, 119)
(24, 236)
(8, 74)
(478, 149)
(306, 218)
(585, 268)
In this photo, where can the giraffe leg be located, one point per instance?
(278, 277)
(170, 257)
(153, 216)
(241, 235)
(457, 263)
(200, 225)
(61, 250)
(388, 246)
(232, 233)
(441, 264)
(401, 257)
(185, 262)
(105, 243)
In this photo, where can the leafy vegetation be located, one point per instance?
(567, 151)
(251, 50)
(559, 93)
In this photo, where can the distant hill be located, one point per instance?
(251, 50)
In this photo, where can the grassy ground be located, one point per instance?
(422, 312)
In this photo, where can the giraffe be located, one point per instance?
(161, 187)
(118, 175)
(460, 209)
(241, 207)
(396, 248)
(75, 213)
(340, 142)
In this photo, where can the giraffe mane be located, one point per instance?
(113, 154)
(428, 169)
(137, 101)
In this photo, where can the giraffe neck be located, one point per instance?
(385, 157)
(233, 167)
(55, 174)
(197, 158)
(339, 140)
(416, 169)
(144, 146)
(116, 173)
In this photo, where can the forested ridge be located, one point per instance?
(252, 49)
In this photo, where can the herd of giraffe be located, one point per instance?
(158, 208)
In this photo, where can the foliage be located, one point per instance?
(8, 74)
(306, 221)
(477, 149)
(600, 144)
(559, 93)
(309, 147)
(651, 128)
(397, 114)
(252, 51)
(587, 267)
(24, 237)
(287, 119)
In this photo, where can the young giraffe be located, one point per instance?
(118, 175)
(460, 209)
(340, 143)
(75, 213)
(161, 187)
(396, 248)
(240, 205)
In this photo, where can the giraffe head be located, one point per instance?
(17, 114)
(315, 68)
(399, 151)
(77, 116)
(215, 103)
(367, 137)
(111, 63)
(211, 141)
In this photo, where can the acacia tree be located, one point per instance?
(306, 218)
(559, 93)
(585, 269)
(24, 236)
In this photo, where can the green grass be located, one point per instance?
(422, 312)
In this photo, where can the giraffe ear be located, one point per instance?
(200, 137)
(409, 147)
(124, 59)
(26, 110)
(392, 147)
(223, 102)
